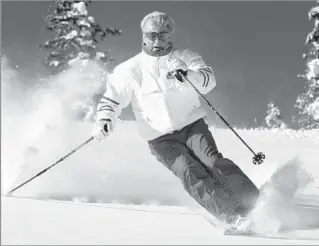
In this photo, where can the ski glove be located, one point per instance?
(102, 129)
(175, 68)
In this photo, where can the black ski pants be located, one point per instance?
(216, 183)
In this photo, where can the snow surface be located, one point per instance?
(119, 178)
(33, 222)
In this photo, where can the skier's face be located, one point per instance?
(156, 38)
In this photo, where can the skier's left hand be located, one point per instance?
(176, 66)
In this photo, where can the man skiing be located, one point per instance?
(170, 118)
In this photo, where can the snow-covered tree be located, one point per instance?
(273, 118)
(308, 101)
(77, 35)
(76, 46)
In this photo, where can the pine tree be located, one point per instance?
(273, 118)
(76, 46)
(308, 101)
(77, 35)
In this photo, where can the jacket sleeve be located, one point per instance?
(201, 75)
(117, 96)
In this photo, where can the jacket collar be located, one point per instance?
(157, 54)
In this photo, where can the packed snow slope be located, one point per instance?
(121, 171)
(31, 222)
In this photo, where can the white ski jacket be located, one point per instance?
(161, 104)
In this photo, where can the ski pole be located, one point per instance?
(58, 161)
(259, 157)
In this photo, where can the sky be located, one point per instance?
(254, 47)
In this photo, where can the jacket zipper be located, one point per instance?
(164, 94)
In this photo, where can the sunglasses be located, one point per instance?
(154, 35)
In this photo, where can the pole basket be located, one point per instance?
(259, 158)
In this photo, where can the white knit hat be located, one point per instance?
(159, 19)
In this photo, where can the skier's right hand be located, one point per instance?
(102, 129)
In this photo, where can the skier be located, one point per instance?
(170, 118)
